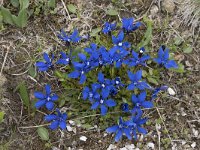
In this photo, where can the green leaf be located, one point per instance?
(23, 4)
(43, 133)
(148, 34)
(24, 94)
(52, 3)
(187, 49)
(95, 31)
(7, 16)
(112, 12)
(152, 80)
(177, 41)
(15, 3)
(32, 72)
(180, 69)
(21, 20)
(71, 8)
(1, 116)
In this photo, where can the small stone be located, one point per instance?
(193, 145)
(83, 138)
(123, 148)
(154, 10)
(195, 132)
(169, 6)
(69, 128)
(171, 91)
(183, 142)
(72, 122)
(150, 145)
(111, 147)
(130, 147)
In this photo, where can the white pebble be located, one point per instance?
(83, 138)
(150, 145)
(69, 128)
(171, 91)
(111, 147)
(193, 145)
(72, 122)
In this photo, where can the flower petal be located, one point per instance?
(54, 125)
(62, 125)
(49, 105)
(40, 103)
(103, 110)
(118, 136)
(54, 97)
(147, 104)
(50, 117)
(39, 95)
(141, 130)
(112, 129)
(110, 103)
(95, 105)
(74, 74)
(48, 89)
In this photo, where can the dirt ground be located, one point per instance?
(175, 126)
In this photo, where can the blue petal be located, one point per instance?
(40, 64)
(64, 116)
(103, 110)
(127, 133)
(95, 105)
(110, 103)
(166, 54)
(131, 86)
(160, 52)
(46, 57)
(40, 103)
(138, 75)
(100, 77)
(142, 96)
(112, 129)
(147, 104)
(157, 60)
(39, 95)
(105, 92)
(82, 79)
(120, 36)
(82, 57)
(49, 105)
(62, 125)
(171, 64)
(74, 74)
(85, 93)
(118, 136)
(50, 117)
(134, 99)
(54, 97)
(114, 40)
(131, 76)
(54, 125)
(141, 130)
(48, 89)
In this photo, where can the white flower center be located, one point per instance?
(88, 63)
(90, 94)
(120, 44)
(82, 72)
(141, 51)
(117, 82)
(101, 101)
(103, 85)
(48, 98)
(67, 59)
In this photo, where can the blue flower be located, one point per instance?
(117, 82)
(119, 129)
(90, 94)
(74, 37)
(135, 125)
(119, 44)
(44, 66)
(140, 101)
(127, 24)
(103, 84)
(47, 99)
(64, 60)
(163, 58)
(57, 120)
(103, 102)
(125, 107)
(136, 60)
(136, 81)
(157, 91)
(108, 27)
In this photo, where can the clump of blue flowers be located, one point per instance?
(107, 76)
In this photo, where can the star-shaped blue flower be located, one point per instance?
(57, 120)
(103, 102)
(46, 99)
(136, 81)
(108, 27)
(44, 66)
(135, 125)
(119, 44)
(163, 58)
(119, 129)
(127, 24)
(140, 101)
(136, 60)
(90, 94)
(64, 60)
(74, 37)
